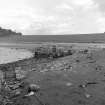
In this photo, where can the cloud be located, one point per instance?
(83, 2)
(80, 18)
(64, 6)
(52, 17)
(101, 22)
(101, 4)
(75, 16)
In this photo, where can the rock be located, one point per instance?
(69, 84)
(20, 74)
(10, 75)
(1, 75)
(30, 94)
(1, 78)
(34, 87)
(87, 95)
(14, 86)
(45, 70)
(17, 92)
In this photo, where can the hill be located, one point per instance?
(8, 32)
(76, 38)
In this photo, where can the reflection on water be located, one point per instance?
(9, 54)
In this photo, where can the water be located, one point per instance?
(9, 54)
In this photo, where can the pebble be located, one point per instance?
(69, 84)
(87, 95)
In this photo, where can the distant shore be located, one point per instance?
(33, 45)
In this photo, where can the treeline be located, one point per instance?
(8, 32)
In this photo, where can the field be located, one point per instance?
(77, 79)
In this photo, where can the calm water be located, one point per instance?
(9, 55)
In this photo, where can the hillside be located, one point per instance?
(34, 39)
(79, 38)
(8, 32)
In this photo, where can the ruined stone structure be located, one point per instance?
(52, 52)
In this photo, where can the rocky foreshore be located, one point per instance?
(77, 79)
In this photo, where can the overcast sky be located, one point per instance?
(53, 16)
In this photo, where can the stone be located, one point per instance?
(69, 84)
(1, 79)
(20, 74)
(87, 95)
(30, 94)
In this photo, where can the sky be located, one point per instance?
(41, 17)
